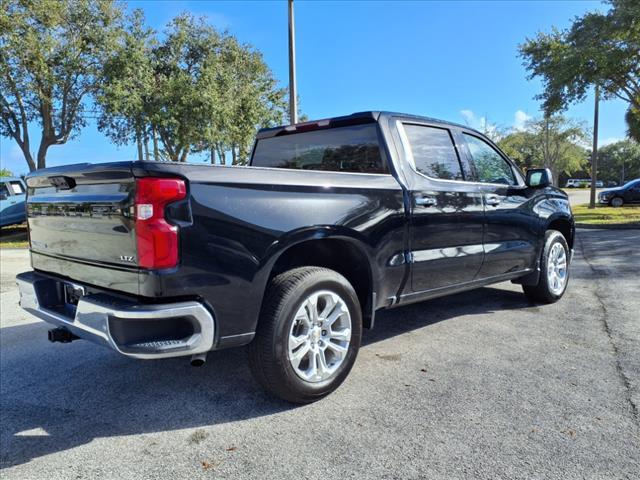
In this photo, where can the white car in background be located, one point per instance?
(580, 182)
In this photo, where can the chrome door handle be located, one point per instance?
(426, 201)
(492, 200)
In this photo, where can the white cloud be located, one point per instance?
(479, 123)
(469, 117)
(608, 141)
(520, 118)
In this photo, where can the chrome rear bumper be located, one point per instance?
(130, 328)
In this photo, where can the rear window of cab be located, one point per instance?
(354, 148)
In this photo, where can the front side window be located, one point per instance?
(433, 152)
(490, 166)
(355, 148)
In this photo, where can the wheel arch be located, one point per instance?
(565, 225)
(340, 251)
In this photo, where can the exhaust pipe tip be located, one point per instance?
(198, 360)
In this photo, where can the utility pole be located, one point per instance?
(594, 152)
(293, 98)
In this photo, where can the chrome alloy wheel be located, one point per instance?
(319, 336)
(557, 269)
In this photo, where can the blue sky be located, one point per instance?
(451, 60)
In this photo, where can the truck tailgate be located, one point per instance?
(84, 214)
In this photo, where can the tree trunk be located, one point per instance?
(594, 152)
(139, 143)
(146, 145)
(234, 156)
(168, 148)
(212, 152)
(28, 157)
(42, 153)
(183, 155)
(156, 153)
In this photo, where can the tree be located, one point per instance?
(51, 52)
(633, 123)
(598, 49)
(554, 142)
(5, 173)
(245, 97)
(619, 161)
(196, 90)
(523, 147)
(126, 87)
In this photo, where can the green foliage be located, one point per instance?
(553, 142)
(6, 173)
(195, 90)
(51, 53)
(126, 85)
(619, 161)
(523, 147)
(598, 49)
(633, 123)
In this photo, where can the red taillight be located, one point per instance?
(157, 239)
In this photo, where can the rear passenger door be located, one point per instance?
(446, 210)
(511, 226)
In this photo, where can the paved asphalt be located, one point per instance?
(477, 385)
(580, 196)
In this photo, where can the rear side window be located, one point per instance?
(490, 166)
(17, 188)
(355, 148)
(434, 154)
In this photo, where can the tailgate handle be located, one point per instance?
(62, 183)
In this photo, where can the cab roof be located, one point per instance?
(370, 116)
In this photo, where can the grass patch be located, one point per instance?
(197, 437)
(24, 244)
(14, 236)
(603, 215)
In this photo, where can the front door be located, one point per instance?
(632, 195)
(446, 211)
(511, 226)
(12, 202)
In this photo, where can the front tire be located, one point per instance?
(554, 270)
(308, 335)
(616, 202)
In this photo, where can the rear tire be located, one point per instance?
(554, 270)
(302, 356)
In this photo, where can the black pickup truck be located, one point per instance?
(292, 255)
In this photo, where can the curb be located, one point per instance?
(610, 226)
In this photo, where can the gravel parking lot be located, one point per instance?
(477, 385)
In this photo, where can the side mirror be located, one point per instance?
(539, 178)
